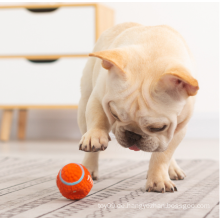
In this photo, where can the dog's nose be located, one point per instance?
(132, 135)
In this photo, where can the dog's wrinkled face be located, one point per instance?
(141, 128)
(136, 123)
(142, 102)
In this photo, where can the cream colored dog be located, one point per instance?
(139, 83)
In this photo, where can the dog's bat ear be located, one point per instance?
(177, 81)
(116, 57)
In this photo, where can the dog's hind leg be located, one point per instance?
(175, 172)
(90, 161)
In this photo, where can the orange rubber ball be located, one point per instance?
(74, 181)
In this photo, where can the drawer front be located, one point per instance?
(26, 83)
(67, 30)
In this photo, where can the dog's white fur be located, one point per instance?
(144, 80)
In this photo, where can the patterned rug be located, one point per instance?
(28, 189)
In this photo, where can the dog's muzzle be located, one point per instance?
(132, 137)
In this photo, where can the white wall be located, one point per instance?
(199, 25)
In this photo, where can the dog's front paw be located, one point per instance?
(175, 172)
(94, 140)
(160, 182)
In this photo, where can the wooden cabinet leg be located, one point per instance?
(6, 124)
(22, 119)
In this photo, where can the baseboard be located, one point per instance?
(203, 125)
(62, 124)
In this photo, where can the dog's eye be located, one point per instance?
(152, 129)
(115, 116)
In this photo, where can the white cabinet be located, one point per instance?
(54, 83)
(66, 30)
(42, 33)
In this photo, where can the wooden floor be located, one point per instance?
(188, 149)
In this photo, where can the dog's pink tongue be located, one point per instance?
(134, 147)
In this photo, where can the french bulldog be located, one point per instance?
(139, 82)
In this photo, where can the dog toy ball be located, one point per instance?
(74, 181)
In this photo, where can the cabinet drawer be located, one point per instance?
(66, 30)
(27, 83)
